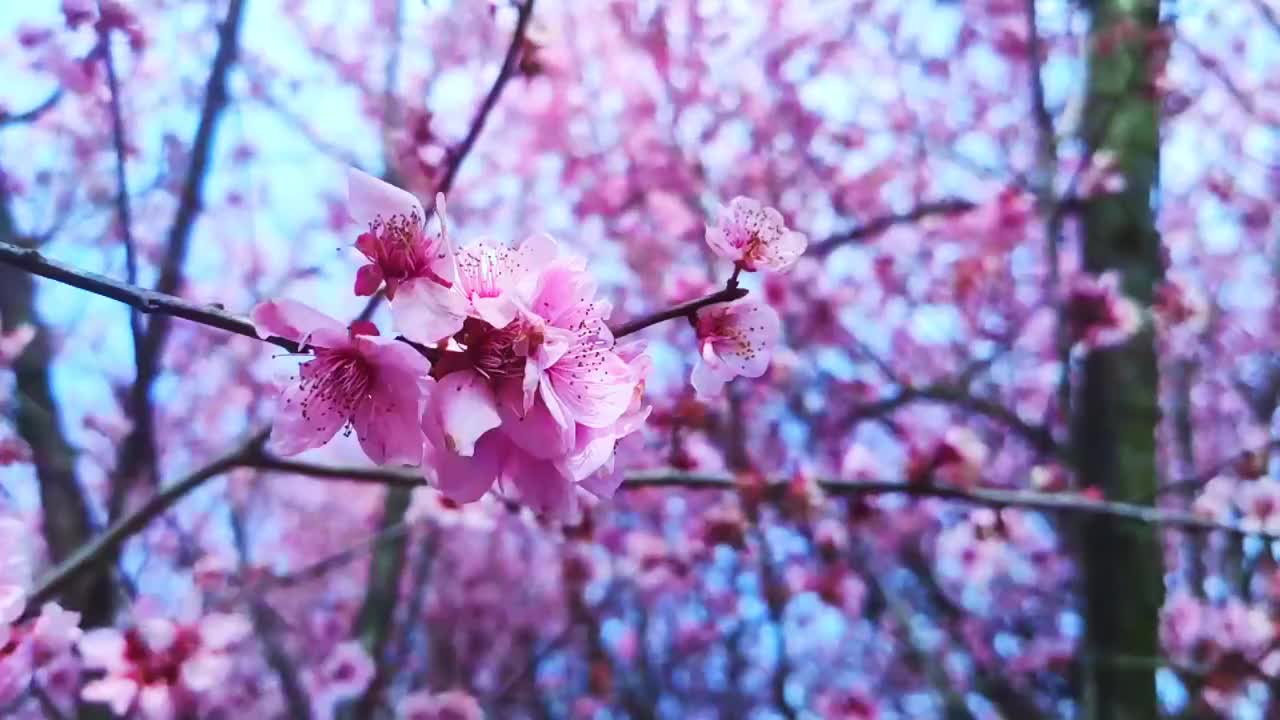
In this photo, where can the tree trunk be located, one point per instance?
(1115, 422)
(67, 523)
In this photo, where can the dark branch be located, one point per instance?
(138, 449)
(33, 114)
(459, 153)
(878, 225)
(679, 480)
(491, 99)
(146, 301)
(105, 545)
(1021, 499)
(687, 310)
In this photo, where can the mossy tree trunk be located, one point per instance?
(1117, 411)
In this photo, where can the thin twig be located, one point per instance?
(456, 155)
(491, 99)
(146, 301)
(33, 114)
(138, 448)
(150, 302)
(878, 225)
(680, 480)
(687, 310)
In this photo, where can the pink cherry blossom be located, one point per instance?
(535, 404)
(495, 279)
(416, 267)
(343, 675)
(448, 705)
(160, 668)
(396, 243)
(755, 237)
(1259, 502)
(1098, 313)
(734, 339)
(13, 342)
(15, 571)
(357, 379)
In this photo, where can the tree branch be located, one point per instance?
(458, 154)
(146, 301)
(679, 480)
(491, 99)
(875, 226)
(33, 114)
(138, 449)
(1021, 499)
(105, 545)
(687, 310)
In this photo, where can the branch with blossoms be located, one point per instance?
(505, 370)
(252, 455)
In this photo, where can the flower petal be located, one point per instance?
(368, 279)
(102, 649)
(463, 479)
(427, 312)
(540, 485)
(114, 691)
(295, 321)
(369, 199)
(707, 382)
(387, 423)
(298, 428)
(466, 410)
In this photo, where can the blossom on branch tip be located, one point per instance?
(755, 237)
(734, 339)
(395, 242)
(357, 379)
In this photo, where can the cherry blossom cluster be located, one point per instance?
(504, 371)
(34, 651)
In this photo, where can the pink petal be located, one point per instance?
(370, 198)
(544, 431)
(497, 311)
(294, 321)
(464, 479)
(594, 383)
(564, 295)
(391, 355)
(707, 382)
(158, 633)
(102, 649)
(13, 600)
(368, 279)
(387, 423)
(466, 409)
(758, 330)
(292, 432)
(156, 702)
(427, 312)
(116, 692)
(205, 671)
(594, 449)
(219, 631)
(787, 250)
(541, 486)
